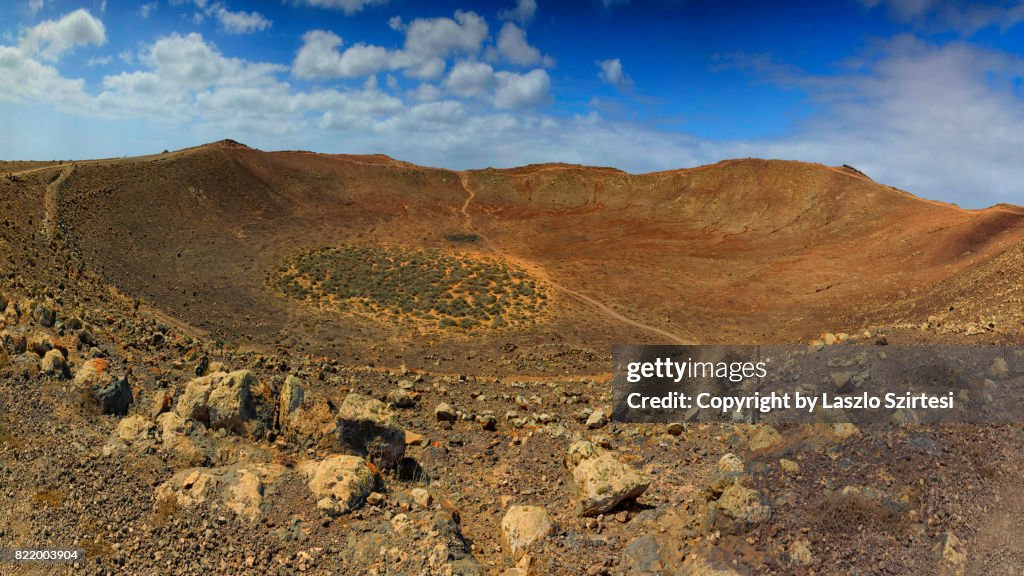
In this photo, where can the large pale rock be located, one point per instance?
(239, 488)
(182, 439)
(340, 483)
(738, 508)
(54, 364)
(135, 431)
(602, 482)
(220, 400)
(112, 395)
(369, 427)
(524, 526)
(231, 402)
(290, 400)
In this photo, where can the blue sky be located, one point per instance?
(925, 95)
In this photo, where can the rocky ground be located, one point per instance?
(153, 415)
(156, 452)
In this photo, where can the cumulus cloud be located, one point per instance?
(611, 72)
(34, 6)
(52, 38)
(241, 22)
(428, 43)
(523, 12)
(22, 78)
(347, 6)
(522, 90)
(319, 57)
(513, 47)
(145, 9)
(470, 78)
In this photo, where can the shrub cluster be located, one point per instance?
(445, 289)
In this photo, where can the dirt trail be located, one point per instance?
(603, 308)
(52, 199)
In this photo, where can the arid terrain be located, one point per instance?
(221, 360)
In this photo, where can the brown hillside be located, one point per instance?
(742, 250)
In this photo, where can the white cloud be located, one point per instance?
(319, 57)
(612, 73)
(24, 79)
(428, 42)
(964, 17)
(471, 78)
(347, 6)
(98, 61)
(52, 38)
(425, 92)
(513, 47)
(942, 120)
(523, 12)
(34, 6)
(522, 90)
(241, 22)
(126, 56)
(191, 62)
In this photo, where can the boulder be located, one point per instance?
(54, 364)
(601, 481)
(763, 437)
(239, 488)
(738, 508)
(112, 395)
(597, 419)
(40, 343)
(524, 526)
(445, 413)
(221, 400)
(182, 439)
(133, 431)
(289, 400)
(230, 404)
(369, 427)
(45, 314)
(340, 483)
(951, 554)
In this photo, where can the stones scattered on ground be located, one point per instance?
(369, 427)
(524, 526)
(676, 428)
(601, 481)
(340, 483)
